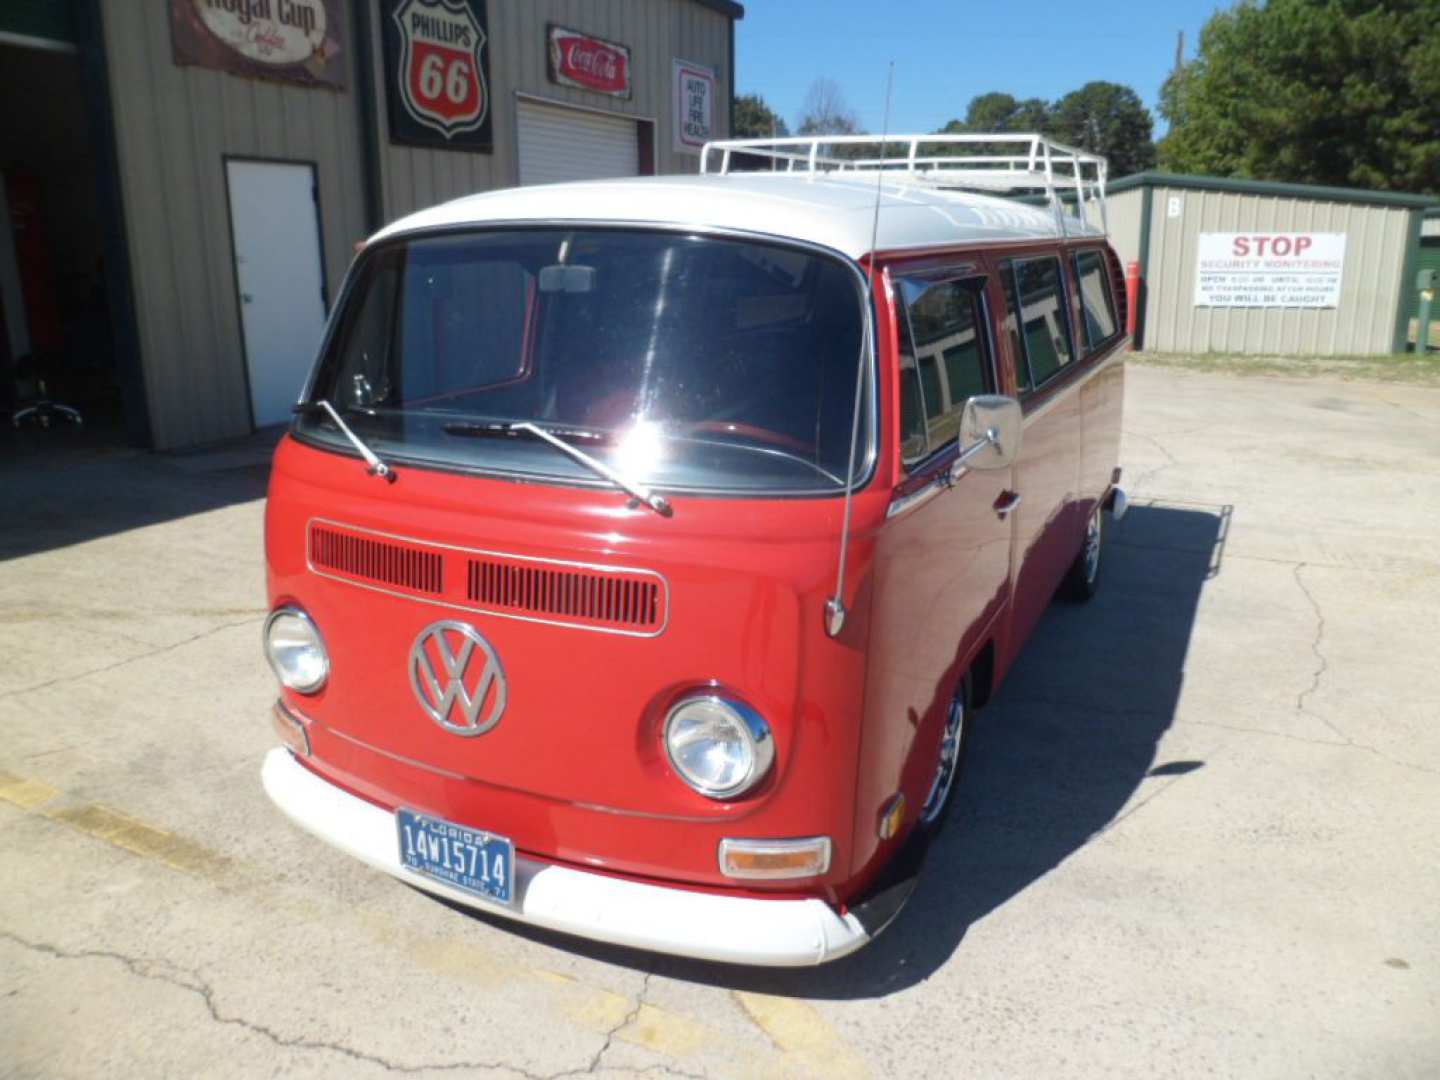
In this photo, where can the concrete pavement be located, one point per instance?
(1198, 834)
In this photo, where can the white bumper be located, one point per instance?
(707, 926)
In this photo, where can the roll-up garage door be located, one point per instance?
(559, 144)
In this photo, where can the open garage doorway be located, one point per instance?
(61, 384)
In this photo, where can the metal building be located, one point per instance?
(1243, 266)
(225, 156)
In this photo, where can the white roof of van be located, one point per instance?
(832, 210)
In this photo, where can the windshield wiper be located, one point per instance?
(373, 463)
(636, 490)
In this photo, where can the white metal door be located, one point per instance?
(275, 221)
(571, 144)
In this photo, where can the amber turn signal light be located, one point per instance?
(290, 729)
(771, 859)
(892, 816)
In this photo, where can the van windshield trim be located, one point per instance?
(866, 462)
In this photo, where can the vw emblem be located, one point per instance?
(457, 678)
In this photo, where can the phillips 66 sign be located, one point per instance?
(437, 78)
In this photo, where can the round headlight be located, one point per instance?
(720, 748)
(295, 651)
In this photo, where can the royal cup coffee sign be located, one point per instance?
(299, 41)
(437, 73)
(589, 63)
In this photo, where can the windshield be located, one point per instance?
(679, 361)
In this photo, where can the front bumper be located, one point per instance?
(706, 926)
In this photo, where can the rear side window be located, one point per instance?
(1095, 298)
(1036, 319)
(945, 359)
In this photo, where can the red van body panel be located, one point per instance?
(575, 769)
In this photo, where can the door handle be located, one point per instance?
(1007, 501)
(246, 298)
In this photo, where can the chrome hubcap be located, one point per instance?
(949, 763)
(1092, 546)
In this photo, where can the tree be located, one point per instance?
(1106, 118)
(826, 112)
(1102, 117)
(1001, 112)
(754, 119)
(1343, 92)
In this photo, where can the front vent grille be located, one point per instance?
(584, 597)
(378, 560)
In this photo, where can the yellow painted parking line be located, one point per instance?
(800, 1031)
(24, 792)
(121, 830)
(806, 1044)
(141, 839)
(669, 1033)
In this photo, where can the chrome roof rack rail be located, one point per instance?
(997, 163)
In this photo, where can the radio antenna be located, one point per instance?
(835, 611)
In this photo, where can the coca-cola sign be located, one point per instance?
(588, 62)
(296, 40)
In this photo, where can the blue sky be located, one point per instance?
(948, 51)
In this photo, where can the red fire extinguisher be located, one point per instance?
(1132, 296)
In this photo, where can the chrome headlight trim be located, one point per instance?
(286, 680)
(754, 734)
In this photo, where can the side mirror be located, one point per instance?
(990, 429)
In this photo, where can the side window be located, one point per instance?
(1095, 298)
(945, 359)
(1012, 327)
(1044, 326)
(912, 409)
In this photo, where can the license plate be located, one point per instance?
(478, 862)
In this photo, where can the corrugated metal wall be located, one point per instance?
(1122, 213)
(1363, 323)
(656, 32)
(173, 126)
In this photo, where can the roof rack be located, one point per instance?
(999, 163)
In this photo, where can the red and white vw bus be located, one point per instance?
(641, 550)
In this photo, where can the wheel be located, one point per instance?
(951, 760)
(1082, 580)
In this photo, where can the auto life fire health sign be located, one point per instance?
(694, 95)
(437, 73)
(300, 41)
(1291, 270)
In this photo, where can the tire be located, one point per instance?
(1082, 580)
(958, 722)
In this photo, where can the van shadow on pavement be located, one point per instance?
(83, 490)
(1053, 760)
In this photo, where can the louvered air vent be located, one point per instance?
(377, 560)
(626, 600)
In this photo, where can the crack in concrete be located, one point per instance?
(625, 1021)
(1150, 474)
(165, 972)
(1323, 663)
(19, 691)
